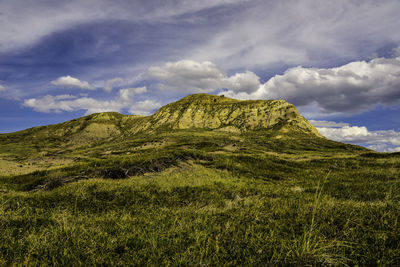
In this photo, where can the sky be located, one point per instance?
(337, 61)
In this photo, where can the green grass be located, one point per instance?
(198, 197)
(195, 215)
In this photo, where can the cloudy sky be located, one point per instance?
(337, 61)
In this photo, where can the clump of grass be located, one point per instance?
(312, 247)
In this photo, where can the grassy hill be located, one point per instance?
(207, 180)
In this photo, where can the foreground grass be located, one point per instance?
(196, 215)
(199, 197)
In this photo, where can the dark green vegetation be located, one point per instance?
(94, 191)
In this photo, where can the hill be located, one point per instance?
(201, 111)
(206, 180)
(227, 114)
(58, 145)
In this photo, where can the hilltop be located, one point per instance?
(59, 145)
(222, 121)
(201, 111)
(206, 180)
(218, 112)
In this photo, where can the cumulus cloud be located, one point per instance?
(193, 76)
(351, 88)
(124, 100)
(188, 75)
(384, 148)
(48, 103)
(2, 88)
(243, 82)
(71, 82)
(384, 140)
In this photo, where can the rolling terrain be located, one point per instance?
(206, 180)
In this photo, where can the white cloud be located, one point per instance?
(346, 133)
(71, 82)
(257, 33)
(384, 140)
(49, 103)
(108, 86)
(120, 82)
(188, 75)
(193, 76)
(384, 148)
(395, 149)
(144, 107)
(127, 94)
(243, 82)
(2, 88)
(124, 100)
(26, 22)
(351, 88)
(301, 32)
(331, 124)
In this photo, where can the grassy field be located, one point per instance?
(200, 197)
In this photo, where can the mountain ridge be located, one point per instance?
(193, 111)
(214, 123)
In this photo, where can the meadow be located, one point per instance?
(200, 198)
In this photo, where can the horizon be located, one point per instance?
(338, 63)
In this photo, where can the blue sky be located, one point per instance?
(337, 61)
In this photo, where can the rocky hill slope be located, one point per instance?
(217, 122)
(219, 112)
(194, 111)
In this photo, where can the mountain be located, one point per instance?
(209, 116)
(227, 114)
(206, 180)
(201, 111)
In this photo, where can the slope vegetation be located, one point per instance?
(206, 180)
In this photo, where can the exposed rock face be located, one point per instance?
(201, 111)
(222, 113)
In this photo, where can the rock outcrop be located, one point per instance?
(198, 111)
(218, 112)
